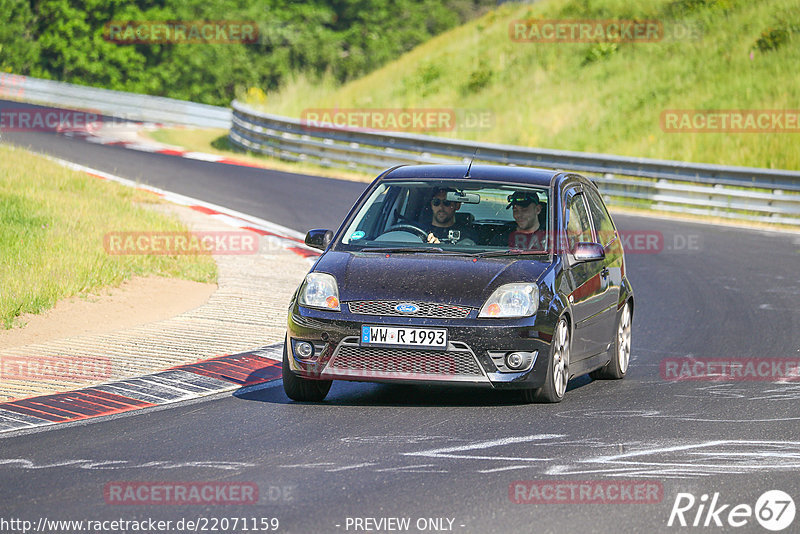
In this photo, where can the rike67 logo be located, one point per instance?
(774, 510)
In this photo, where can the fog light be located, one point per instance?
(304, 349)
(518, 360)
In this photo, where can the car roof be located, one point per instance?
(492, 173)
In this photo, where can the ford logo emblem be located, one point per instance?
(406, 307)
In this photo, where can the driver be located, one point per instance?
(443, 220)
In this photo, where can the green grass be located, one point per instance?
(52, 223)
(596, 97)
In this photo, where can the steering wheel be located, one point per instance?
(412, 229)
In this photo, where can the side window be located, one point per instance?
(398, 212)
(579, 229)
(602, 220)
(367, 221)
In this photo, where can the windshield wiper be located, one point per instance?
(511, 252)
(409, 250)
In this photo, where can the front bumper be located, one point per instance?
(474, 355)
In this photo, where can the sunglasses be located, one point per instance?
(445, 203)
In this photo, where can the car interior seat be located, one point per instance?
(463, 218)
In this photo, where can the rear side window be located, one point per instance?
(579, 229)
(603, 224)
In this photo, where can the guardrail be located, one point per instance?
(764, 195)
(121, 104)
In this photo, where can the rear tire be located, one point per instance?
(620, 351)
(555, 385)
(302, 389)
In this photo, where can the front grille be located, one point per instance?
(424, 309)
(404, 363)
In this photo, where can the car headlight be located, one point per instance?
(320, 291)
(512, 300)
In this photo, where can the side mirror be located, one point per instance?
(588, 252)
(319, 238)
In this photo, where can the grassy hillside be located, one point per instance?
(52, 225)
(597, 97)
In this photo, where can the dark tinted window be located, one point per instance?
(602, 220)
(579, 229)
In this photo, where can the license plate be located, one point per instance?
(400, 335)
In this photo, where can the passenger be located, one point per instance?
(528, 234)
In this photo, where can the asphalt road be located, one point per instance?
(292, 200)
(451, 455)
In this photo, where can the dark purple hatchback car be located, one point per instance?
(505, 277)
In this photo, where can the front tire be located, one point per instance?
(555, 385)
(621, 351)
(302, 389)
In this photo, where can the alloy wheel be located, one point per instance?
(624, 339)
(561, 358)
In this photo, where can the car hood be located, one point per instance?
(457, 280)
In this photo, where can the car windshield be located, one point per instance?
(464, 217)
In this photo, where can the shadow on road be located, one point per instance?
(344, 393)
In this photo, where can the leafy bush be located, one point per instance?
(772, 39)
(598, 51)
(64, 40)
(423, 82)
(478, 78)
(16, 44)
(681, 8)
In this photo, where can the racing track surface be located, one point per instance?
(390, 451)
(314, 201)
